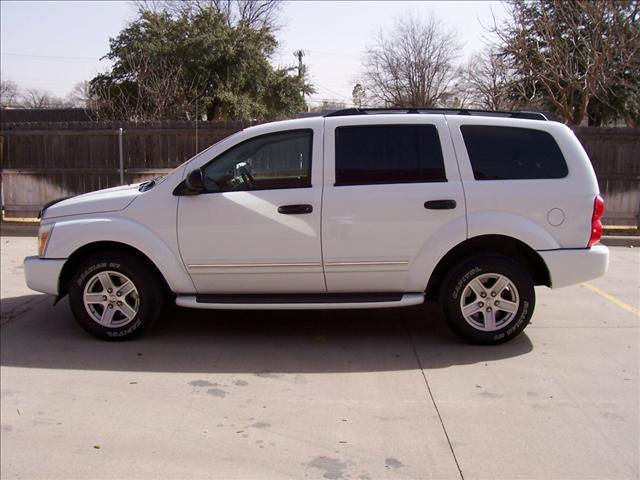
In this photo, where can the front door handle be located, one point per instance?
(295, 209)
(440, 204)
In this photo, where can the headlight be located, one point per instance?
(44, 233)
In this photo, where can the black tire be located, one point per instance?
(148, 298)
(482, 268)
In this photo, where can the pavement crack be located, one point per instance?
(433, 400)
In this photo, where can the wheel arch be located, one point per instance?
(74, 237)
(489, 244)
(85, 251)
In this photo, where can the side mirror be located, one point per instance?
(193, 184)
(195, 181)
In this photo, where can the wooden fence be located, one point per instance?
(615, 155)
(44, 161)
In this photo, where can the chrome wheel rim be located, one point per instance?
(489, 302)
(111, 299)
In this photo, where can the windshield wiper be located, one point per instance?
(150, 184)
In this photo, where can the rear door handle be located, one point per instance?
(440, 204)
(295, 209)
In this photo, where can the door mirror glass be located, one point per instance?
(194, 183)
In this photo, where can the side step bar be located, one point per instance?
(300, 301)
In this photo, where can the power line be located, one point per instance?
(336, 54)
(333, 92)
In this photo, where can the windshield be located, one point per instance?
(148, 185)
(233, 135)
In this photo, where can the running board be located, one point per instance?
(300, 301)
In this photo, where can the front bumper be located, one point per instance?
(573, 266)
(43, 274)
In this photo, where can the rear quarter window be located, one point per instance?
(510, 153)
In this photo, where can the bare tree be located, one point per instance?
(569, 52)
(112, 103)
(80, 95)
(251, 13)
(9, 92)
(412, 65)
(37, 98)
(486, 81)
(460, 94)
(259, 14)
(359, 95)
(160, 92)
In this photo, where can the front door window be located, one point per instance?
(273, 161)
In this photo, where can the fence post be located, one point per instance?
(120, 134)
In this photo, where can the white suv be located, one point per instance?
(357, 209)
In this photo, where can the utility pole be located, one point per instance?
(299, 54)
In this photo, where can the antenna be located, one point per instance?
(196, 123)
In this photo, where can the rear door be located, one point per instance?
(392, 201)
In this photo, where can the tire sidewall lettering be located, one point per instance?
(126, 331)
(464, 280)
(89, 271)
(514, 326)
(523, 316)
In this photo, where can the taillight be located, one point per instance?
(596, 221)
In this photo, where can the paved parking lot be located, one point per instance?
(336, 394)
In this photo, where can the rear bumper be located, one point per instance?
(573, 266)
(42, 274)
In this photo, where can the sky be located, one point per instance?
(52, 45)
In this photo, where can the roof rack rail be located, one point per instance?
(448, 111)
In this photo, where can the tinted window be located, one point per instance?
(506, 153)
(277, 160)
(388, 154)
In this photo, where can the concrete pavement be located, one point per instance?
(336, 394)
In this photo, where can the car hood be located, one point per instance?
(107, 200)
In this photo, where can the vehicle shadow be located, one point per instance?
(34, 334)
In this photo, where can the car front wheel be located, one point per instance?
(114, 296)
(488, 299)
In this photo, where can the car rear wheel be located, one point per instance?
(488, 299)
(115, 296)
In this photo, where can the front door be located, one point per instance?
(256, 229)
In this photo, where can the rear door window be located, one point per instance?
(509, 153)
(376, 154)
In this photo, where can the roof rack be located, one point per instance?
(447, 111)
